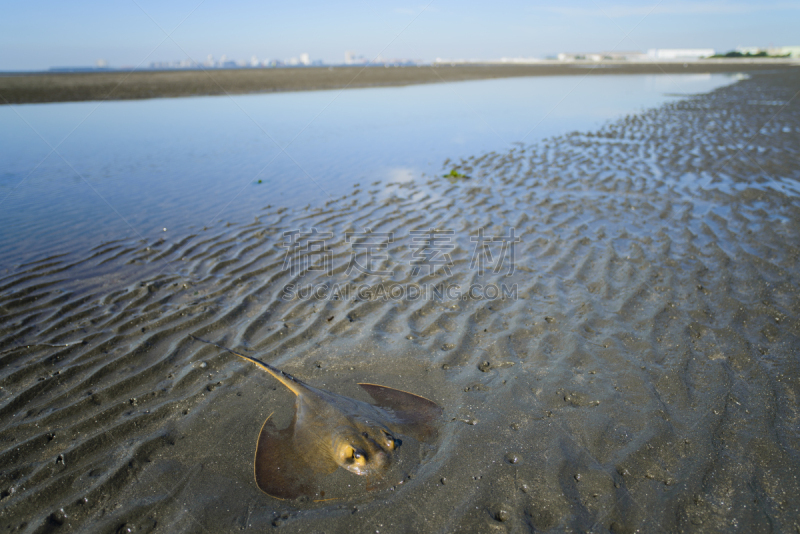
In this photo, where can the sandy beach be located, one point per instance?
(641, 373)
(127, 85)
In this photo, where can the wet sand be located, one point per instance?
(126, 85)
(645, 379)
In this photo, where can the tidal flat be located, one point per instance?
(27, 88)
(641, 373)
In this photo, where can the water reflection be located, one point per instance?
(76, 174)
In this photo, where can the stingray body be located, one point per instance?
(329, 431)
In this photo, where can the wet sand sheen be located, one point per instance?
(646, 375)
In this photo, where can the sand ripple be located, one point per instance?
(647, 374)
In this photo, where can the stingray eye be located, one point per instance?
(389, 441)
(359, 458)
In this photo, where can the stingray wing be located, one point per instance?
(289, 464)
(416, 415)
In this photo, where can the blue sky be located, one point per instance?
(36, 35)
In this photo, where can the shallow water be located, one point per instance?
(130, 169)
(644, 378)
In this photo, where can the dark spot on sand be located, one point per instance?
(59, 517)
(575, 399)
(771, 332)
(500, 512)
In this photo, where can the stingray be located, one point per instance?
(329, 431)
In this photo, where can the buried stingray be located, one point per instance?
(330, 431)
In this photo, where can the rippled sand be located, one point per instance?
(647, 376)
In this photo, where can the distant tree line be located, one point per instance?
(734, 53)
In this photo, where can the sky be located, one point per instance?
(38, 35)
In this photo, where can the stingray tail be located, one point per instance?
(286, 379)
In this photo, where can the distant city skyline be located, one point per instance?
(39, 35)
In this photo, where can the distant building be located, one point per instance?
(304, 59)
(792, 51)
(625, 56)
(445, 61)
(350, 58)
(602, 56)
(679, 54)
(750, 50)
(519, 60)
